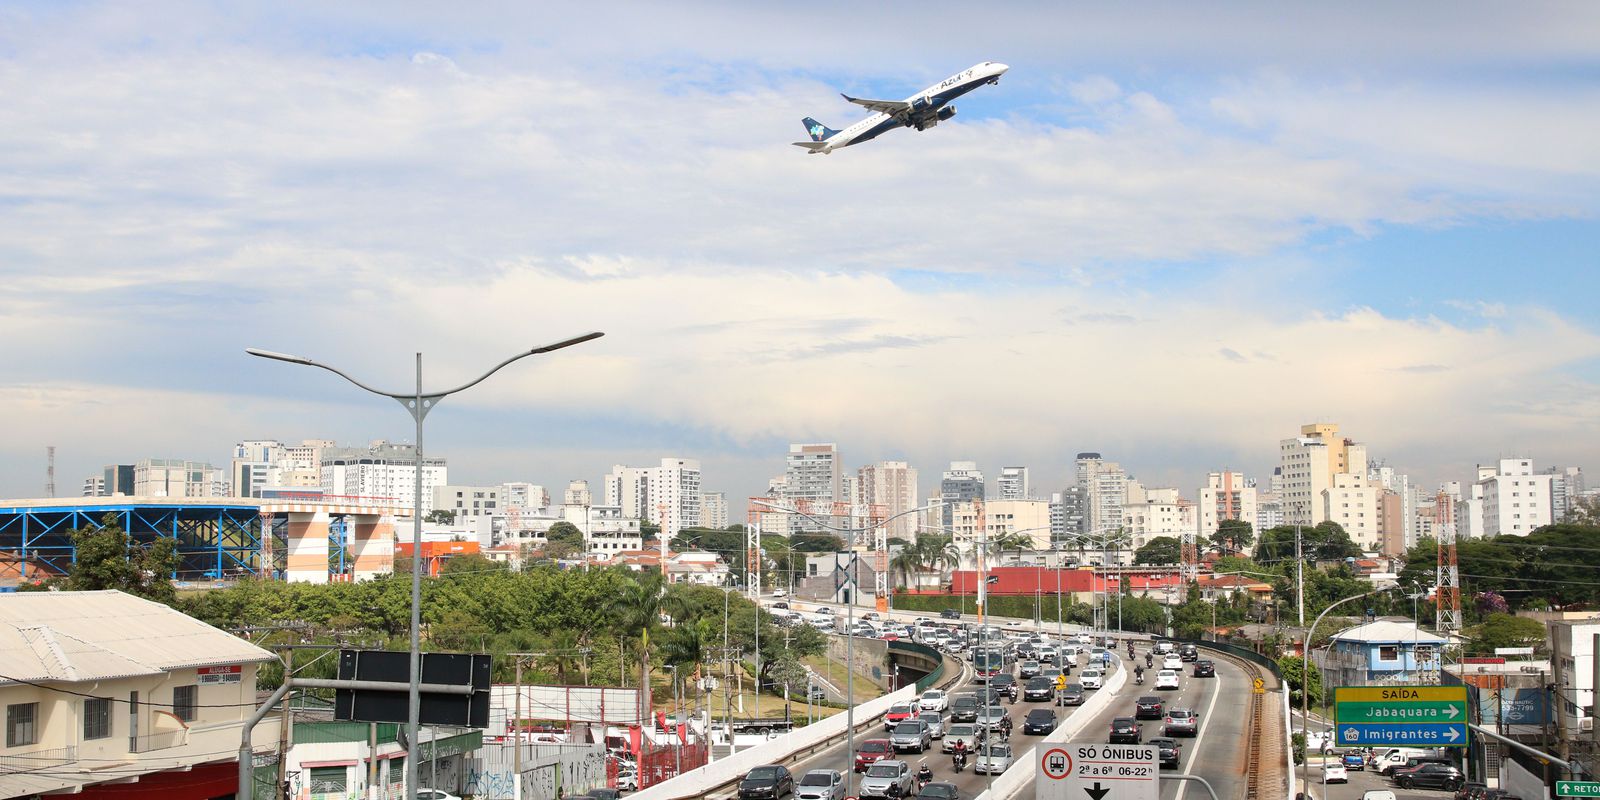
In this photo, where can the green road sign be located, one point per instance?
(1577, 789)
(1402, 716)
(1431, 711)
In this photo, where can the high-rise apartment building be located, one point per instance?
(668, 495)
(962, 483)
(1149, 513)
(1567, 486)
(1013, 484)
(1069, 513)
(1515, 500)
(165, 477)
(259, 467)
(1105, 487)
(1353, 502)
(893, 485)
(382, 469)
(1269, 511)
(813, 476)
(714, 510)
(469, 504)
(1023, 517)
(94, 486)
(1307, 465)
(1226, 496)
(118, 479)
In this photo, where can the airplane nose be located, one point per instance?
(1000, 69)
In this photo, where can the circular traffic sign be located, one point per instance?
(1056, 763)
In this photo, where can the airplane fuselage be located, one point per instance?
(925, 109)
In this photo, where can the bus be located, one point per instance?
(988, 662)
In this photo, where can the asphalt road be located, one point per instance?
(1363, 781)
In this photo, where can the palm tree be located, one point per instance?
(637, 607)
(941, 552)
(905, 563)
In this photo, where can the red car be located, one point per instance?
(871, 752)
(899, 712)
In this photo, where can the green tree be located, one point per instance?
(440, 516)
(1160, 550)
(818, 543)
(637, 608)
(468, 563)
(1505, 630)
(1233, 536)
(563, 540)
(108, 558)
(1143, 614)
(1293, 668)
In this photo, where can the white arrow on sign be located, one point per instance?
(1451, 712)
(1450, 733)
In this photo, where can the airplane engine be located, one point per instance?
(919, 105)
(946, 113)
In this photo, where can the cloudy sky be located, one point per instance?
(1172, 234)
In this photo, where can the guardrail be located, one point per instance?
(1288, 724)
(1025, 767)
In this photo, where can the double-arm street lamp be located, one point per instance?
(418, 403)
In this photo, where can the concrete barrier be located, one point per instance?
(1025, 766)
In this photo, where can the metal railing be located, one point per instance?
(152, 742)
(38, 759)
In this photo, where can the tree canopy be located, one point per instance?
(1233, 536)
(108, 558)
(1159, 550)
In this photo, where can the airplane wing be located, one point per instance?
(890, 107)
(812, 146)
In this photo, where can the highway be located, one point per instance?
(1217, 753)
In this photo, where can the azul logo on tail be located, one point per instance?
(819, 132)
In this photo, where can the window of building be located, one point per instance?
(184, 699)
(96, 718)
(1388, 652)
(22, 724)
(397, 770)
(329, 780)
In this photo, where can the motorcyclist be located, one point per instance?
(1005, 726)
(1138, 674)
(958, 756)
(924, 776)
(1149, 660)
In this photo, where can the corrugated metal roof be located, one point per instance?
(73, 636)
(1387, 631)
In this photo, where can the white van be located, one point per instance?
(1387, 760)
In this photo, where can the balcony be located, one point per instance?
(152, 742)
(38, 760)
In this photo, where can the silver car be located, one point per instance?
(990, 717)
(913, 734)
(993, 759)
(820, 784)
(885, 774)
(960, 732)
(935, 723)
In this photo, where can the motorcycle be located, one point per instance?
(924, 777)
(1149, 660)
(1138, 678)
(959, 761)
(1005, 727)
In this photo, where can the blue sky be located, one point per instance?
(1171, 234)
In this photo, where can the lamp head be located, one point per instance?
(278, 356)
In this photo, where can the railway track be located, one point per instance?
(1263, 755)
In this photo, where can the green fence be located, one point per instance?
(932, 653)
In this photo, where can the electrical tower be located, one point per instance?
(880, 566)
(1191, 557)
(752, 561)
(1448, 584)
(50, 472)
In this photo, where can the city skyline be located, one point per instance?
(1166, 243)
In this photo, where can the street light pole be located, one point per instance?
(1305, 675)
(418, 403)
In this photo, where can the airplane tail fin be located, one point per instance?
(819, 132)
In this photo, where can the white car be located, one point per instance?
(934, 700)
(435, 794)
(1091, 678)
(1172, 662)
(1165, 679)
(1334, 773)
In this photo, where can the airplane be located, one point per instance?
(922, 110)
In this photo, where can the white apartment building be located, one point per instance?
(1469, 508)
(1567, 487)
(668, 495)
(606, 529)
(1013, 484)
(94, 486)
(104, 689)
(259, 466)
(1269, 511)
(382, 470)
(1354, 503)
(813, 475)
(163, 477)
(1307, 464)
(1149, 513)
(714, 510)
(893, 485)
(1515, 500)
(532, 497)
(1226, 496)
(961, 483)
(1030, 518)
(1105, 486)
(469, 503)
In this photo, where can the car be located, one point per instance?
(1005, 683)
(1167, 679)
(1412, 761)
(1334, 773)
(1430, 775)
(870, 615)
(1377, 794)
(1172, 662)
(1028, 669)
(1356, 761)
(1072, 695)
(950, 613)
(964, 708)
(1181, 722)
(768, 780)
(820, 784)
(871, 752)
(601, 793)
(898, 713)
(1050, 671)
(913, 734)
(1163, 647)
(939, 791)
(435, 794)
(1205, 669)
(934, 700)
(964, 732)
(1091, 678)
(779, 593)
(1167, 749)
(888, 778)
(935, 722)
(1039, 721)
(992, 759)
(1148, 707)
(628, 777)
(1473, 790)
(1188, 652)
(1038, 689)
(990, 717)
(1124, 730)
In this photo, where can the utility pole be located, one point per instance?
(286, 655)
(1300, 580)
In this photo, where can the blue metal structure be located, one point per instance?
(215, 540)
